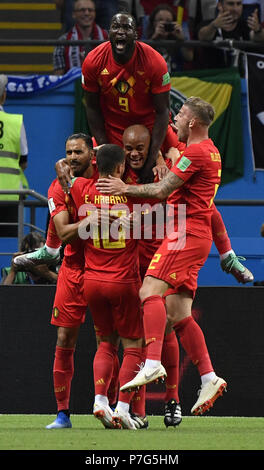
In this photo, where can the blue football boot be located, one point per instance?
(62, 421)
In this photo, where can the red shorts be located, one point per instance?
(115, 306)
(69, 306)
(147, 248)
(180, 267)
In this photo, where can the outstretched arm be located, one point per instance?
(160, 190)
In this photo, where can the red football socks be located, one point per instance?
(220, 235)
(154, 320)
(113, 388)
(138, 403)
(132, 358)
(103, 367)
(63, 370)
(170, 360)
(193, 342)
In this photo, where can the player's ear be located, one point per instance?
(192, 122)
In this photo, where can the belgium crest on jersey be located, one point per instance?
(122, 87)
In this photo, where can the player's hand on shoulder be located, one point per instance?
(160, 171)
(111, 185)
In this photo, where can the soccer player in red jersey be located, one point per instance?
(112, 283)
(171, 279)
(69, 306)
(136, 141)
(127, 82)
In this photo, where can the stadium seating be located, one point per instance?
(27, 21)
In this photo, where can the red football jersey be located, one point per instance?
(125, 90)
(58, 201)
(153, 229)
(200, 168)
(110, 255)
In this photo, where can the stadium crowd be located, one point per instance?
(175, 21)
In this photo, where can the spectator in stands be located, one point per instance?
(105, 9)
(163, 25)
(180, 8)
(85, 27)
(38, 274)
(229, 24)
(13, 160)
(249, 6)
(199, 11)
(175, 4)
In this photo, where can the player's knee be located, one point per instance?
(65, 338)
(147, 289)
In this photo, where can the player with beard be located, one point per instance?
(111, 277)
(69, 306)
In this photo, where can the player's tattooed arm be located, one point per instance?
(160, 190)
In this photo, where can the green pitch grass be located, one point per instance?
(27, 432)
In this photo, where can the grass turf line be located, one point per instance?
(27, 432)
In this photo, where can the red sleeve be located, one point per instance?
(89, 73)
(189, 163)
(56, 199)
(77, 190)
(160, 78)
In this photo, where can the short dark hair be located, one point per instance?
(32, 241)
(108, 157)
(124, 13)
(80, 135)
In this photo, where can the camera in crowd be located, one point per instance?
(169, 27)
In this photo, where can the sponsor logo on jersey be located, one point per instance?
(105, 72)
